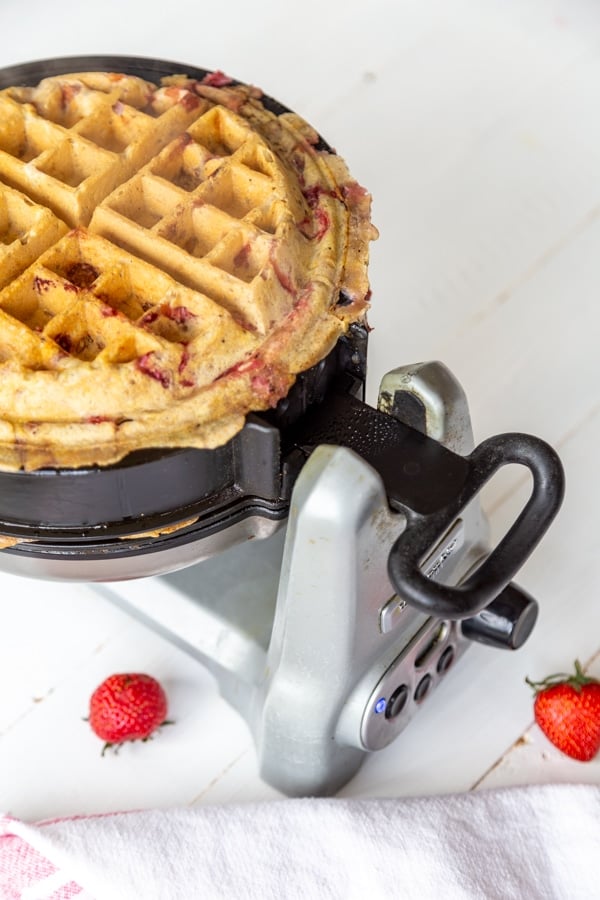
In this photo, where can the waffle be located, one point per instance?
(171, 257)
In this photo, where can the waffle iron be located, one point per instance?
(385, 573)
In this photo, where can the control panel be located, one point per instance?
(408, 681)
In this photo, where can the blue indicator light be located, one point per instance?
(380, 705)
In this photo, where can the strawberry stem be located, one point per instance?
(576, 681)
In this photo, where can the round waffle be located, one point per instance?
(171, 256)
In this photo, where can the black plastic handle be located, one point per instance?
(499, 568)
(506, 622)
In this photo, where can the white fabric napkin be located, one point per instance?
(523, 843)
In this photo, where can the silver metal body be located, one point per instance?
(308, 640)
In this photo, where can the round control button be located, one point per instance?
(445, 660)
(422, 688)
(397, 702)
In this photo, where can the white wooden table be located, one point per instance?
(476, 128)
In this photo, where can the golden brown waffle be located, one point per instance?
(210, 245)
(68, 142)
(26, 230)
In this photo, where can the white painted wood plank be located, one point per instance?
(49, 631)
(531, 358)
(454, 251)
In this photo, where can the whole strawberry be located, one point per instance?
(127, 707)
(567, 709)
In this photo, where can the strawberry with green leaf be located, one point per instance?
(567, 709)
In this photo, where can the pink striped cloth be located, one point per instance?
(537, 842)
(25, 870)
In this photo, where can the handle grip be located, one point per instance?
(499, 568)
(506, 622)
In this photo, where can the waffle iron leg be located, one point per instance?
(325, 630)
